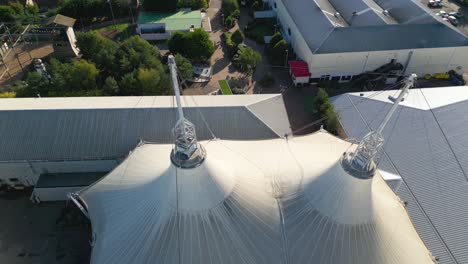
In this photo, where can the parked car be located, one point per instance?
(453, 20)
(40, 68)
(435, 3)
(455, 14)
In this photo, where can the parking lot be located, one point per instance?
(453, 6)
(40, 233)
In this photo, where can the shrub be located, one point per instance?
(237, 37)
(230, 45)
(229, 22)
(332, 124)
(237, 90)
(8, 95)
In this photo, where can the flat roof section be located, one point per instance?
(57, 180)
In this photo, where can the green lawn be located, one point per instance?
(225, 89)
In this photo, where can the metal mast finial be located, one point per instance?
(187, 152)
(360, 163)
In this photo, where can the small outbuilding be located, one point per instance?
(160, 26)
(299, 71)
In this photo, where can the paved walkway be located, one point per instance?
(221, 64)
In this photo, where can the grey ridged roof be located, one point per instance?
(409, 26)
(427, 144)
(266, 201)
(109, 127)
(391, 37)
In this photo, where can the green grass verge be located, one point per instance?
(225, 89)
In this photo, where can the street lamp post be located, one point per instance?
(112, 12)
(222, 18)
(286, 62)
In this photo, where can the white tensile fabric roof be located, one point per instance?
(269, 201)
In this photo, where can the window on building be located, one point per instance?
(14, 179)
(275, 4)
(336, 78)
(324, 77)
(314, 80)
(346, 78)
(289, 31)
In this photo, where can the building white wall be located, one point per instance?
(27, 173)
(296, 40)
(423, 61)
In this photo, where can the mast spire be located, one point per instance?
(360, 163)
(187, 152)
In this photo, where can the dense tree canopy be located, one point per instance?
(160, 5)
(7, 14)
(131, 67)
(87, 10)
(195, 46)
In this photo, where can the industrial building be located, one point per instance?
(339, 39)
(64, 144)
(426, 145)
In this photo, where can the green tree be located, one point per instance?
(90, 43)
(195, 46)
(83, 75)
(110, 86)
(34, 85)
(201, 47)
(229, 6)
(178, 42)
(17, 6)
(277, 37)
(184, 67)
(136, 52)
(129, 85)
(332, 123)
(159, 5)
(246, 59)
(320, 98)
(237, 36)
(153, 82)
(7, 14)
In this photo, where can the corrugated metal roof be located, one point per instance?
(370, 30)
(391, 37)
(62, 20)
(91, 128)
(428, 146)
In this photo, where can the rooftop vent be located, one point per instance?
(385, 12)
(337, 14)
